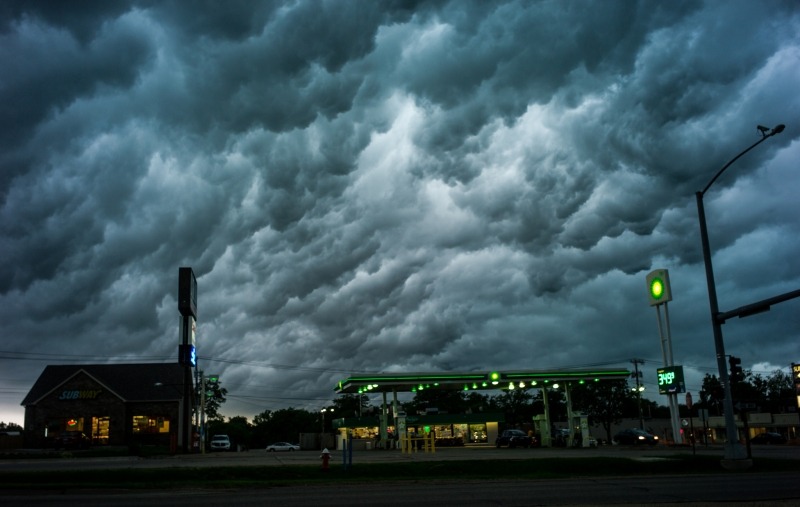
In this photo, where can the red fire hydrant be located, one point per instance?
(326, 457)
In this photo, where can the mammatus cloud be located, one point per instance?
(390, 186)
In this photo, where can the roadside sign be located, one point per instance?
(670, 380)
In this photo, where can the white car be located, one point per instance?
(282, 446)
(220, 443)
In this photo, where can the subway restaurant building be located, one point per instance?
(112, 404)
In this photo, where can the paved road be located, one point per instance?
(262, 458)
(735, 488)
(732, 489)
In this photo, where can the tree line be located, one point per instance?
(605, 403)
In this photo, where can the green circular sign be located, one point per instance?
(657, 288)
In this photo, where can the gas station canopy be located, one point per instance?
(469, 381)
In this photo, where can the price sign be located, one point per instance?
(670, 380)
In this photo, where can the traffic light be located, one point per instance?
(736, 375)
(212, 383)
(658, 289)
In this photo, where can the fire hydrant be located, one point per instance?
(326, 457)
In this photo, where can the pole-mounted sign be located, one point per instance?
(187, 292)
(670, 380)
(658, 289)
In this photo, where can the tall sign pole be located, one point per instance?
(796, 381)
(659, 293)
(187, 354)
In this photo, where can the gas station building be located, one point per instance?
(456, 429)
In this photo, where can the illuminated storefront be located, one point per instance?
(449, 430)
(112, 404)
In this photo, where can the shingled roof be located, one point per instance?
(131, 382)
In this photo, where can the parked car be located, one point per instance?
(513, 438)
(768, 438)
(220, 443)
(72, 440)
(635, 436)
(282, 446)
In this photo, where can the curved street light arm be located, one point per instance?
(777, 130)
(733, 450)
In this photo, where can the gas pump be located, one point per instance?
(579, 427)
(541, 423)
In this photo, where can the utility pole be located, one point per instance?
(639, 388)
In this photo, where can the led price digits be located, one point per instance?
(667, 378)
(670, 380)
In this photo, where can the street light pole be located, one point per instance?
(639, 389)
(733, 450)
(322, 435)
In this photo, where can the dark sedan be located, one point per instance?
(768, 438)
(72, 440)
(635, 436)
(513, 438)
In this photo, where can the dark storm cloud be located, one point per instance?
(386, 186)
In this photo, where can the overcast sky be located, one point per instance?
(381, 186)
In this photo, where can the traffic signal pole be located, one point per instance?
(733, 449)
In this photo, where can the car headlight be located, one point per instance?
(641, 437)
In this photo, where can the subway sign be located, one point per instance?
(670, 380)
(82, 394)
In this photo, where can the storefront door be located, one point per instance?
(100, 430)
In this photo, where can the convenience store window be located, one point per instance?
(144, 424)
(477, 433)
(100, 430)
(73, 424)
